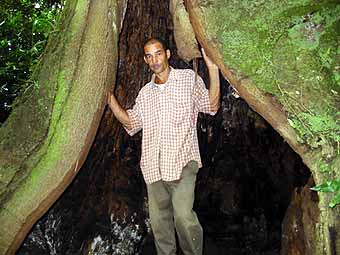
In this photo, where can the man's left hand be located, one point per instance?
(210, 64)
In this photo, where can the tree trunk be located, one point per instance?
(272, 57)
(48, 135)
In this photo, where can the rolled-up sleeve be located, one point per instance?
(135, 117)
(201, 97)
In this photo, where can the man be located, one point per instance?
(166, 109)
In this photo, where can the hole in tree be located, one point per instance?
(242, 193)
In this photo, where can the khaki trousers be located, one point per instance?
(170, 208)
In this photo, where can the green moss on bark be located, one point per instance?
(289, 49)
(77, 69)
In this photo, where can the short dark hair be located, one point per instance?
(155, 40)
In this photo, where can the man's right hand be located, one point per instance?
(117, 110)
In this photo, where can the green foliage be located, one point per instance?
(24, 29)
(330, 186)
(318, 34)
(321, 130)
(316, 128)
(335, 201)
(289, 49)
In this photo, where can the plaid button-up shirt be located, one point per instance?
(167, 115)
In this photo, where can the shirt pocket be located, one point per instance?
(179, 112)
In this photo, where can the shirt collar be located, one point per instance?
(170, 78)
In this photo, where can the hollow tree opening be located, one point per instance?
(243, 189)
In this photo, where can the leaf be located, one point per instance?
(335, 200)
(3, 43)
(330, 186)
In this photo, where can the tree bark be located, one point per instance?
(48, 135)
(234, 38)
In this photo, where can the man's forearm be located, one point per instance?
(119, 112)
(214, 83)
(214, 88)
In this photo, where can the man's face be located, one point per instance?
(156, 57)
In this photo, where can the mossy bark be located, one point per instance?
(283, 58)
(46, 138)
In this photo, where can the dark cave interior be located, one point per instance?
(243, 189)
